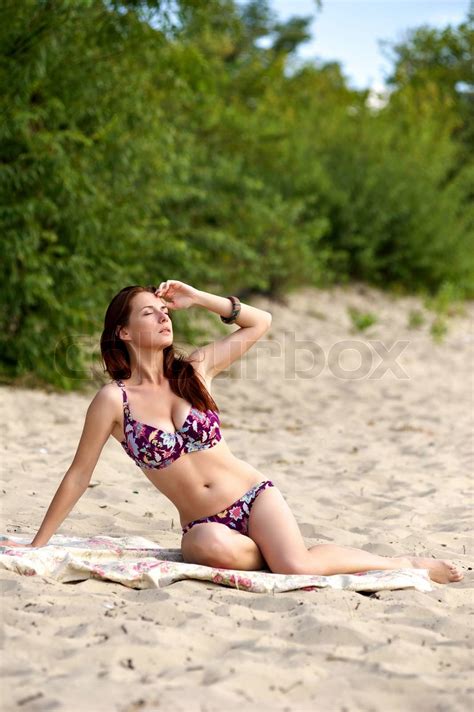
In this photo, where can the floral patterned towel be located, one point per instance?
(140, 563)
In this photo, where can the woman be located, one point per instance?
(159, 408)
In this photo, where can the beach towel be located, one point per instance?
(137, 562)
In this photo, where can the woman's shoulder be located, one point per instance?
(109, 393)
(106, 403)
(108, 388)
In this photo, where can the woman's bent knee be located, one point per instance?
(219, 553)
(209, 546)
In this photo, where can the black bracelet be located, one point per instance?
(236, 306)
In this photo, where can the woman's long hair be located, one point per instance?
(183, 379)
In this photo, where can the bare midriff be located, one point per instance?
(203, 483)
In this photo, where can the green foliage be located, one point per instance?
(438, 329)
(143, 140)
(447, 301)
(440, 60)
(361, 320)
(415, 319)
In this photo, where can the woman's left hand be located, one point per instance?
(177, 295)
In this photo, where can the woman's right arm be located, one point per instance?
(99, 422)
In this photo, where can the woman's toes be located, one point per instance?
(456, 573)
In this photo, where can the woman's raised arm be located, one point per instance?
(220, 354)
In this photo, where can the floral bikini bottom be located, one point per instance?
(236, 516)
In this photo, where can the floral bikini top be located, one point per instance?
(151, 447)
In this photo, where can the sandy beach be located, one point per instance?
(369, 437)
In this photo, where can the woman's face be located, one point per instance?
(149, 324)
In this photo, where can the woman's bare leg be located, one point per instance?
(274, 529)
(334, 559)
(345, 559)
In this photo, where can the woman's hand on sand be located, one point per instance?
(177, 295)
(9, 543)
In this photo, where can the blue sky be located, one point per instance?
(348, 30)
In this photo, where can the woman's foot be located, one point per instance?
(440, 570)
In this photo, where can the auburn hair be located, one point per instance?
(183, 379)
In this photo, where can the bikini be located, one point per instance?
(154, 448)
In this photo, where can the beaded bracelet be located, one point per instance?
(236, 306)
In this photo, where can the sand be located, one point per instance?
(381, 461)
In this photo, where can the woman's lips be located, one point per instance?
(165, 330)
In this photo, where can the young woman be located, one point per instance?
(160, 409)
